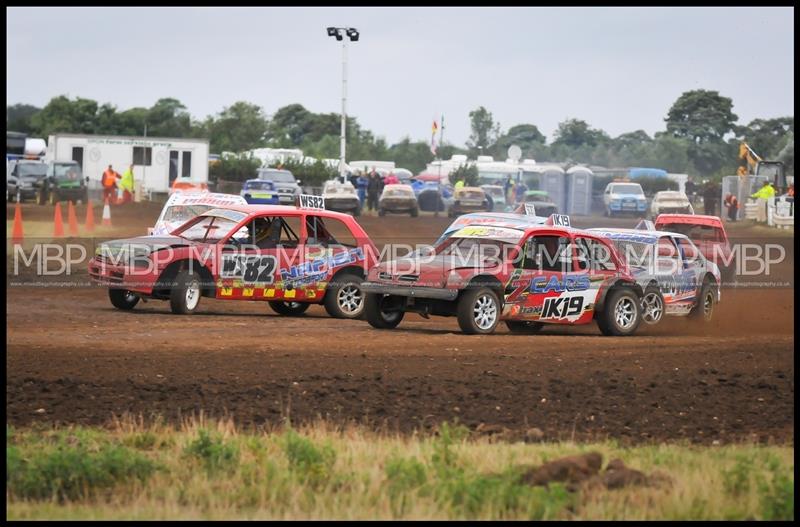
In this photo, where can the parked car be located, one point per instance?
(707, 233)
(64, 182)
(670, 202)
(260, 192)
(23, 177)
(526, 275)
(430, 193)
(341, 197)
(497, 195)
(285, 183)
(183, 206)
(674, 275)
(398, 199)
(468, 199)
(541, 201)
(624, 198)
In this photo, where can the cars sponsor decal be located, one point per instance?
(541, 284)
(314, 270)
(486, 231)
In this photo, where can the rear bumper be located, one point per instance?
(342, 204)
(409, 291)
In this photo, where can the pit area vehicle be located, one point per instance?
(468, 199)
(341, 197)
(260, 192)
(526, 275)
(671, 271)
(287, 186)
(751, 163)
(624, 197)
(670, 202)
(542, 202)
(64, 181)
(497, 196)
(183, 206)
(707, 233)
(398, 199)
(22, 177)
(289, 257)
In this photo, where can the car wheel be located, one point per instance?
(356, 212)
(478, 311)
(376, 314)
(652, 305)
(291, 309)
(381, 212)
(524, 327)
(343, 297)
(123, 299)
(704, 310)
(621, 313)
(414, 212)
(185, 294)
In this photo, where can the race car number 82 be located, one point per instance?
(259, 269)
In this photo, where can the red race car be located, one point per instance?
(707, 233)
(527, 275)
(288, 256)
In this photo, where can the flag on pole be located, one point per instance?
(434, 128)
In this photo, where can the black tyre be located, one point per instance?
(185, 294)
(478, 311)
(704, 310)
(381, 212)
(621, 314)
(377, 316)
(356, 212)
(290, 309)
(524, 327)
(415, 212)
(123, 299)
(652, 305)
(343, 297)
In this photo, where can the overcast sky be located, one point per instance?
(619, 69)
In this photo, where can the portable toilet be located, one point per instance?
(579, 190)
(549, 178)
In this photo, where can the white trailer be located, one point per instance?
(157, 161)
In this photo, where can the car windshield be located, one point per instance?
(538, 197)
(470, 194)
(67, 171)
(31, 169)
(397, 192)
(280, 176)
(211, 227)
(182, 213)
(627, 189)
(694, 232)
(258, 185)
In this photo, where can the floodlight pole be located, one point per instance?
(344, 112)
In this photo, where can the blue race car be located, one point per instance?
(260, 192)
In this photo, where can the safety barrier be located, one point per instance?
(780, 212)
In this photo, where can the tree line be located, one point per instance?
(700, 137)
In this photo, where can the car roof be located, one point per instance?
(690, 219)
(643, 233)
(287, 209)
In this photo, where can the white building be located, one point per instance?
(157, 161)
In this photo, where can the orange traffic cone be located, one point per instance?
(106, 214)
(89, 217)
(16, 233)
(58, 230)
(72, 221)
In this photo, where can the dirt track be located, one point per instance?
(733, 380)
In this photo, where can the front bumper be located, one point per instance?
(409, 291)
(286, 199)
(261, 200)
(108, 274)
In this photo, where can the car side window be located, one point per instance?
(547, 253)
(690, 252)
(593, 255)
(329, 231)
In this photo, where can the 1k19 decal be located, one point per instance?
(562, 307)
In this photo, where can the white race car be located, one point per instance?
(183, 206)
(675, 276)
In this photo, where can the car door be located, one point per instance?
(594, 268)
(330, 245)
(253, 267)
(689, 278)
(539, 286)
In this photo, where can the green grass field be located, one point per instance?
(212, 471)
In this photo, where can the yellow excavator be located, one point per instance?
(751, 164)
